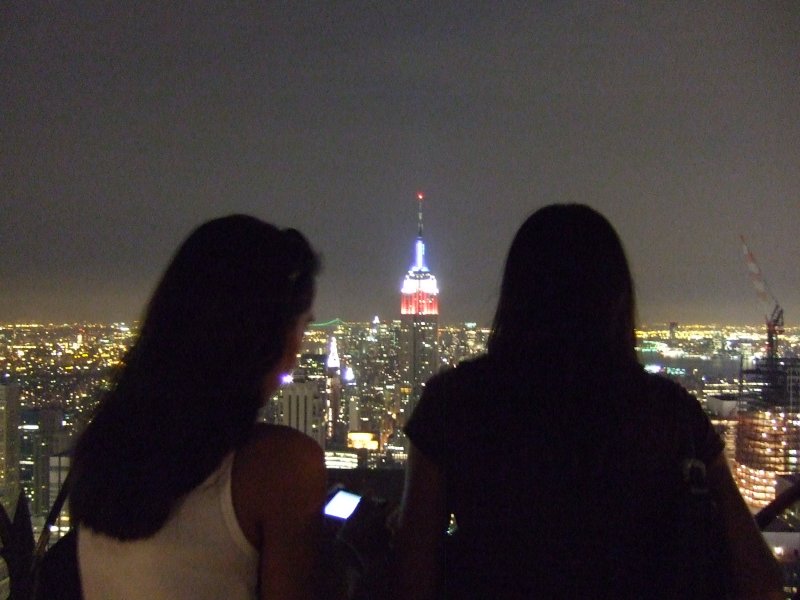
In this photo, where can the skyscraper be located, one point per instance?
(419, 317)
(335, 409)
(300, 407)
(768, 431)
(9, 444)
(41, 435)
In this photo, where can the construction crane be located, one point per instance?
(773, 313)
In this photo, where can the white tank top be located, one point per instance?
(199, 553)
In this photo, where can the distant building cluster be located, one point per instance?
(352, 389)
(51, 377)
(356, 384)
(349, 392)
(750, 388)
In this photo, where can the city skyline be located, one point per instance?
(124, 128)
(419, 265)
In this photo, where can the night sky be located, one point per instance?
(124, 125)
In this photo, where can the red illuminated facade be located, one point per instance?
(419, 303)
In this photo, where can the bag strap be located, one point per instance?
(693, 470)
(705, 537)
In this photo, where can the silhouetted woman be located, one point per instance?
(177, 492)
(560, 458)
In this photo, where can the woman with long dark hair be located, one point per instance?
(562, 461)
(176, 492)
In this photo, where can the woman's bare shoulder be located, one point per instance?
(274, 450)
(278, 478)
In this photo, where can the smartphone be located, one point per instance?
(341, 505)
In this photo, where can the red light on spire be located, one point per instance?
(420, 196)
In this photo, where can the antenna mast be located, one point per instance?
(420, 198)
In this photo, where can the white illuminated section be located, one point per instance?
(412, 285)
(333, 356)
(673, 353)
(420, 254)
(348, 374)
(340, 460)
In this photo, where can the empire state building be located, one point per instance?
(419, 318)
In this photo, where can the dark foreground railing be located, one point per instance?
(766, 517)
(776, 508)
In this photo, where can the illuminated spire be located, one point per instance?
(419, 245)
(333, 356)
(419, 286)
(420, 198)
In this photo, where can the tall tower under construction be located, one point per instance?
(419, 318)
(768, 429)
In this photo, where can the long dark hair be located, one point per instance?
(192, 384)
(567, 295)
